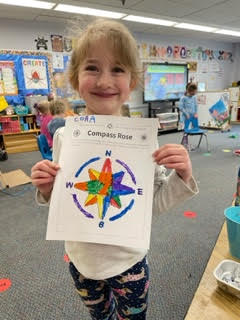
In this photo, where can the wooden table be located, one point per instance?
(210, 302)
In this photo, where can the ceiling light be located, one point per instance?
(194, 27)
(29, 3)
(159, 22)
(229, 32)
(89, 11)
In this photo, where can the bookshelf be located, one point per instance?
(19, 133)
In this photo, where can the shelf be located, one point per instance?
(20, 132)
(22, 140)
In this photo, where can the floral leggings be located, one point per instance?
(123, 297)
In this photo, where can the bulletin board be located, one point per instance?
(206, 100)
(24, 73)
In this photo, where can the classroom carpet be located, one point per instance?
(181, 242)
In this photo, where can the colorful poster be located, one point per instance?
(57, 43)
(219, 112)
(102, 193)
(35, 73)
(8, 82)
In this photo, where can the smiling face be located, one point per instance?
(103, 82)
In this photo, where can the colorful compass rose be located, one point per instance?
(104, 189)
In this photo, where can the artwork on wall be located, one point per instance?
(219, 112)
(105, 194)
(67, 44)
(213, 109)
(192, 66)
(35, 73)
(57, 60)
(57, 43)
(8, 82)
(201, 99)
(148, 50)
(41, 43)
(32, 77)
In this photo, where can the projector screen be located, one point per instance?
(164, 81)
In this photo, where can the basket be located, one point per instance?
(224, 273)
(21, 110)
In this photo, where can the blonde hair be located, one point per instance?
(43, 107)
(58, 107)
(122, 43)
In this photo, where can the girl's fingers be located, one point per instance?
(171, 159)
(161, 157)
(169, 148)
(40, 174)
(176, 166)
(46, 166)
(38, 182)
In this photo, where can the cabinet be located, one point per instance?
(19, 133)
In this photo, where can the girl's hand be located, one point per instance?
(43, 174)
(195, 115)
(175, 156)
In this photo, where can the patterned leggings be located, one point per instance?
(123, 297)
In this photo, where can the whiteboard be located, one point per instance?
(205, 101)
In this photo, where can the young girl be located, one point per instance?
(46, 117)
(188, 105)
(113, 281)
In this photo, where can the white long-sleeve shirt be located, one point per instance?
(100, 261)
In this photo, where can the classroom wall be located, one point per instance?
(220, 74)
(20, 35)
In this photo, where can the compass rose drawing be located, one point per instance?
(104, 189)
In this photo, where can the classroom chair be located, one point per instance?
(191, 128)
(44, 147)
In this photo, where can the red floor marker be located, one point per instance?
(5, 284)
(66, 258)
(190, 214)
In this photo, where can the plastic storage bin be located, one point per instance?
(171, 116)
(232, 215)
(227, 276)
(168, 121)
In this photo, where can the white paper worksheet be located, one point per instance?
(104, 188)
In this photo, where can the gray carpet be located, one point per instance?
(180, 248)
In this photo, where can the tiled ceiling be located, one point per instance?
(218, 13)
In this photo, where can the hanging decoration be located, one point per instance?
(41, 43)
(57, 43)
(67, 42)
(177, 52)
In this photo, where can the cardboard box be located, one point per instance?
(13, 178)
